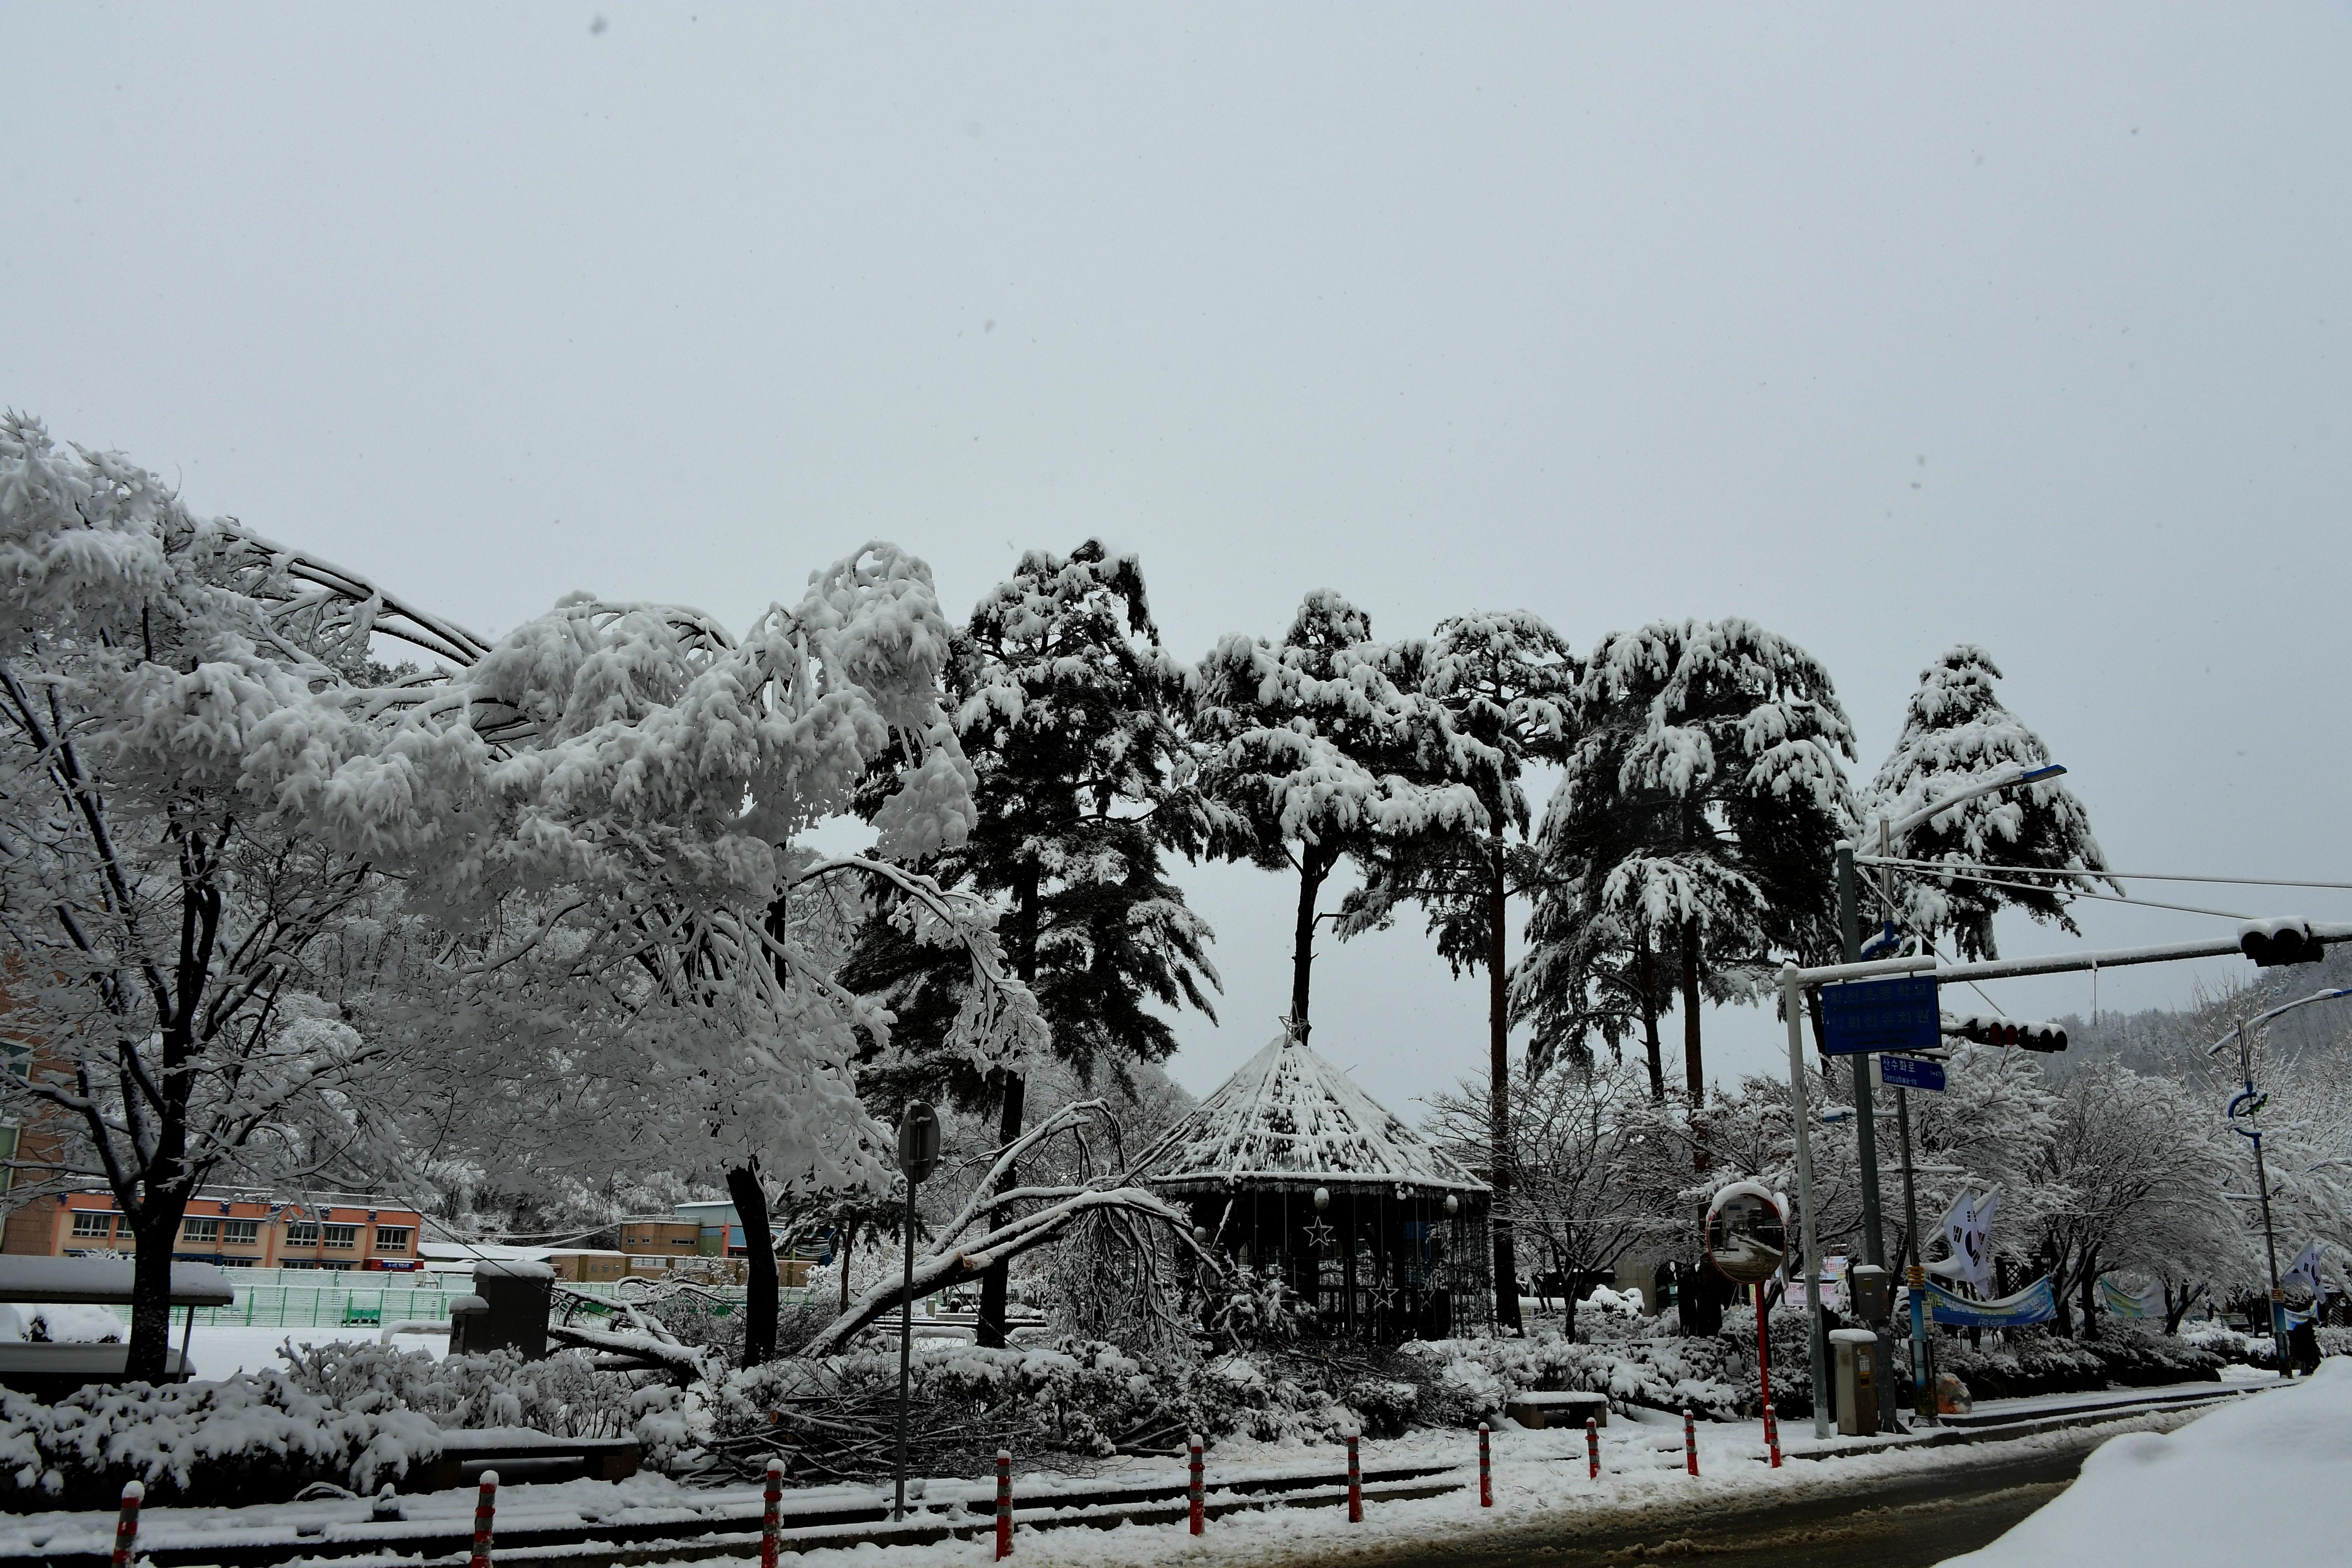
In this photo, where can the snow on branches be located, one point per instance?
(207, 786)
(1955, 734)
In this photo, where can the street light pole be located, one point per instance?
(2263, 1186)
(2262, 1173)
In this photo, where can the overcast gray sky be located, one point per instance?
(1888, 327)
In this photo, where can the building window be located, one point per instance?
(241, 1232)
(340, 1234)
(89, 1223)
(235, 1262)
(193, 1230)
(392, 1238)
(301, 1233)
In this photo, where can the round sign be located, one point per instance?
(919, 1142)
(1747, 1234)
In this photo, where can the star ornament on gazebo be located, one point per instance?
(1320, 1235)
(1384, 1297)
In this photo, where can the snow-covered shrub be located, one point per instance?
(1661, 1374)
(1385, 1406)
(2030, 1364)
(1621, 1305)
(254, 1437)
(562, 1395)
(2256, 1350)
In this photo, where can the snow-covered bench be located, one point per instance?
(519, 1453)
(50, 1372)
(1537, 1411)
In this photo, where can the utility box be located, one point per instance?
(1857, 1380)
(512, 1315)
(1873, 1293)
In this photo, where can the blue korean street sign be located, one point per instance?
(1898, 1014)
(1911, 1072)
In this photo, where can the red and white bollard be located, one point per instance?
(126, 1525)
(1485, 1470)
(1004, 1503)
(1772, 1434)
(1593, 1448)
(486, 1508)
(1690, 1442)
(1355, 1482)
(770, 1522)
(1192, 1493)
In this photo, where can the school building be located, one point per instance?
(233, 1229)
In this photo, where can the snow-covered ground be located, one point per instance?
(1538, 1475)
(228, 1348)
(2257, 1479)
(217, 1350)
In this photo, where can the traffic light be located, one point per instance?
(2271, 944)
(1993, 1030)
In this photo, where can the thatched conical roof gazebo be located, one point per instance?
(1297, 1175)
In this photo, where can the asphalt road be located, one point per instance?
(1905, 1522)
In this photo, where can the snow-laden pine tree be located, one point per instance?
(1697, 813)
(599, 813)
(1067, 706)
(1323, 753)
(1506, 681)
(1955, 734)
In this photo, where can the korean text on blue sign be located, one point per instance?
(1911, 1072)
(1898, 1014)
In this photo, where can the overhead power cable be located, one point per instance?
(1958, 874)
(1904, 864)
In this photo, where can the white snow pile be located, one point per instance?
(61, 1323)
(2260, 1477)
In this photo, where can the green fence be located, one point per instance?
(317, 1299)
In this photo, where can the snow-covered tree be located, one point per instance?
(1067, 706)
(599, 813)
(169, 910)
(2124, 1168)
(1323, 753)
(1697, 810)
(1597, 1167)
(1955, 734)
(1504, 680)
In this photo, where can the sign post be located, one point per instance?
(919, 1156)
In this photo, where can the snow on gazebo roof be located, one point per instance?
(1288, 1117)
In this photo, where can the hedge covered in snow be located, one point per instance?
(2031, 1363)
(1659, 1373)
(353, 1415)
(255, 1438)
